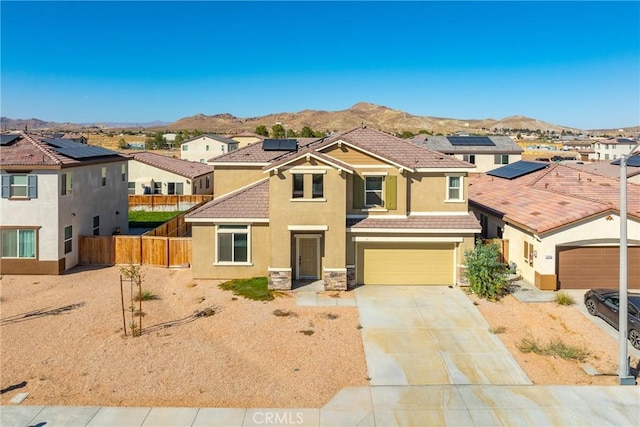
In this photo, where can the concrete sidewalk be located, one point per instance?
(438, 405)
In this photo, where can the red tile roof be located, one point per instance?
(32, 151)
(552, 197)
(250, 202)
(426, 222)
(178, 166)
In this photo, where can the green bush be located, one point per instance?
(486, 274)
(563, 298)
(255, 288)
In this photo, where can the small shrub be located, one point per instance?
(284, 313)
(498, 330)
(146, 296)
(486, 274)
(563, 298)
(307, 332)
(331, 316)
(555, 348)
(256, 288)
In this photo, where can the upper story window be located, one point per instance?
(207, 181)
(66, 183)
(18, 243)
(373, 191)
(19, 186)
(317, 190)
(104, 176)
(298, 186)
(471, 158)
(206, 148)
(454, 188)
(185, 147)
(123, 172)
(96, 225)
(232, 244)
(501, 159)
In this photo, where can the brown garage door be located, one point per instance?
(596, 267)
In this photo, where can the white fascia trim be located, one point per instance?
(278, 269)
(447, 170)
(375, 167)
(261, 164)
(309, 169)
(413, 231)
(439, 213)
(407, 239)
(375, 173)
(341, 270)
(351, 266)
(368, 153)
(318, 158)
(308, 227)
(230, 220)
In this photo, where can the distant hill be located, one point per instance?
(378, 116)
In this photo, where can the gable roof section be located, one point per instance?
(551, 198)
(31, 151)
(248, 203)
(180, 167)
(501, 145)
(311, 153)
(253, 154)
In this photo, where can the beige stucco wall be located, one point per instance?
(204, 253)
(231, 178)
(243, 141)
(197, 150)
(139, 171)
(486, 162)
(429, 193)
(307, 212)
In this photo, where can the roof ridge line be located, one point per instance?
(40, 146)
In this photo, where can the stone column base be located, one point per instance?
(335, 279)
(280, 280)
(351, 276)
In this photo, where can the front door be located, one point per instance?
(308, 257)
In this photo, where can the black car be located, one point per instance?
(604, 303)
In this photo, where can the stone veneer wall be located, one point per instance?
(335, 280)
(280, 280)
(351, 276)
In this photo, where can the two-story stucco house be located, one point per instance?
(359, 207)
(152, 173)
(486, 152)
(54, 190)
(612, 149)
(202, 148)
(561, 222)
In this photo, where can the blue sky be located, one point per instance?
(571, 63)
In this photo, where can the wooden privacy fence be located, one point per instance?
(148, 250)
(159, 202)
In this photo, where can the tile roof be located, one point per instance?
(606, 168)
(32, 151)
(298, 154)
(250, 202)
(503, 145)
(550, 198)
(178, 166)
(426, 222)
(250, 154)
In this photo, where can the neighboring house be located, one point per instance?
(486, 152)
(151, 173)
(359, 207)
(612, 168)
(562, 223)
(201, 148)
(53, 191)
(76, 137)
(612, 149)
(246, 138)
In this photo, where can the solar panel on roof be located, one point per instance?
(8, 139)
(471, 141)
(76, 150)
(631, 161)
(280, 145)
(517, 169)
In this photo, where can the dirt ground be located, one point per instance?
(62, 341)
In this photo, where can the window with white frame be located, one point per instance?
(454, 188)
(104, 176)
(185, 147)
(317, 187)
(68, 239)
(232, 244)
(157, 188)
(131, 187)
(298, 186)
(175, 188)
(501, 159)
(471, 158)
(373, 191)
(66, 183)
(18, 243)
(123, 172)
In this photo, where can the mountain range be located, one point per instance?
(378, 116)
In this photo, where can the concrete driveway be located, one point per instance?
(426, 335)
